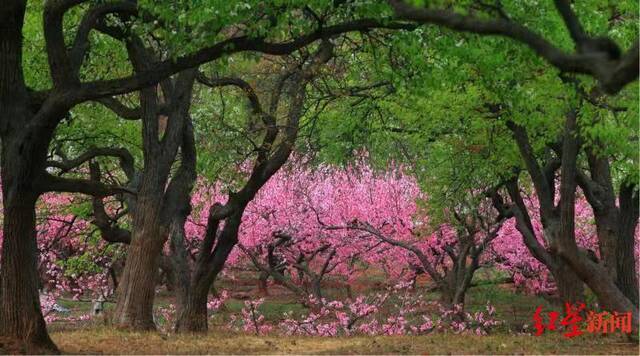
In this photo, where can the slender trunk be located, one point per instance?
(193, 314)
(166, 273)
(467, 278)
(454, 289)
(447, 296)
(627, 277)
(136, 290)
(316, 287)
(193, 317)
(263, 279)
(179, 260)
(458, 280)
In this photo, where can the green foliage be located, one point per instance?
(432, 99)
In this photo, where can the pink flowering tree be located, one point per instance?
(451, 250)
(286, 233)
(309, 224)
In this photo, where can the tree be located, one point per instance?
(529, 274)
(223, 221)
(332, 221)
(29, 119)
(558, 151)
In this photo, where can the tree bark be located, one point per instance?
(136, 290)
(192, 316)
(605, 211)
(180, 262)
(20, 315)
(569, 286)
(627, 277)
(593, 274)
(160, 199)
(21, 321)
(448, 289)
(615, 224)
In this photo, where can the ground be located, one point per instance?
(514, 337)
(108, 341)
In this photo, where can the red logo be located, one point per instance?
(603, 322)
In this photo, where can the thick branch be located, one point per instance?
(89, 21)
(379, 235)
(50, 183)
(598, 61)
(571, 21)
(120, 109)
(108, 230)
(59, 63)
(543, 190)
(159, 70)
(525, 227)
(126, 159)
(233, 81)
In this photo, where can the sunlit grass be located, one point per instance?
(109, 341)
(515, 309)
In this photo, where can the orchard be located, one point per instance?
(319, 177)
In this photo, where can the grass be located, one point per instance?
(109, 341)
(95, 337)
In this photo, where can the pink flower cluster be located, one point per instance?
(71, 259)
(250, 320)
(214, 304)
(399, 311)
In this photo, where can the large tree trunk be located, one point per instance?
(21, 322)
(211, 260)
(593, 274)
(569, 286)
(160, 200)
(21, 319)
(136, 290)
(602, 285)
(192, 316)
(605, 211)
(607, 231)
(616, 225)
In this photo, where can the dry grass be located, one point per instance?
(109, 341)
(514, 309)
